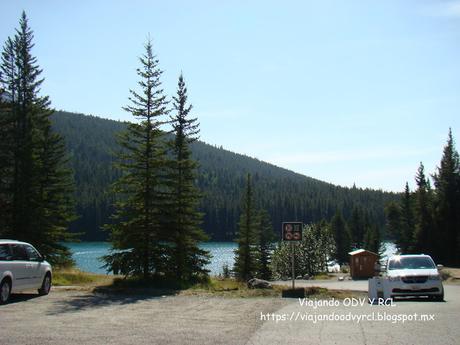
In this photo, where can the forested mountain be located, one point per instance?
(222, 174)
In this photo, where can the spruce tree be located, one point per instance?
(183, 221)
(356, 228)
(341, 235)
(266, 241)
(6, 159)
(21, 86)
(393, 217)
(407, 226)
(447, 183)
(137, 234)
(55, 198)
(37, 186)
(372, 239)
(246, 255)
(424, 225)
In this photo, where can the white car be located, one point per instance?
(22, 268)
(414, 275)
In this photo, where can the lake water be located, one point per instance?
(87, 255)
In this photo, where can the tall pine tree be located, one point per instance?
(37, 186)
(246, 255)
(137, 234)
(393, 217)
(447, 183)
(266, 244)
(372, 239)
(183, 223)
(424, 225)
(6, 156)
(341, 235)
(407, 225)
(356, 227)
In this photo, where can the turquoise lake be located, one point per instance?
(87, 255)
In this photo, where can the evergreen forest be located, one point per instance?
(427, 220)
(286, 195)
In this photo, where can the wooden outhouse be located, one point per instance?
(362, 263)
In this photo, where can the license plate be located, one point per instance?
(415, 287)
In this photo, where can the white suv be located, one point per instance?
(414, 275)
(22, 268)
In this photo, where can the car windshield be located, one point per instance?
(414, 263)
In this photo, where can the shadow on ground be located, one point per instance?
(16, 298)
(98, 299)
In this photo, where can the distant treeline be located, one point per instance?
(287, 196)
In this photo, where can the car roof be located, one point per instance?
(2, 240)
(410, 256)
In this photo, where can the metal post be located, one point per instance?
(293, 265)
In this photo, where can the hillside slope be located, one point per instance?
(285, 194)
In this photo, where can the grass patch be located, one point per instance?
(75, 277)
(323, 276)
(159, 286)
(153, 286)
(450, 274)
(227, 287)
(205, 286)
(235, 289)
(445, 275)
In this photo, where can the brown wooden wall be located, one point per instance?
(362, 265)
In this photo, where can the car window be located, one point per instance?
(5, 253)
(32, 253)
(19, 252)
(414, 263)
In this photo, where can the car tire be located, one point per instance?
(5, 291)
(439, 298)
(46, 285)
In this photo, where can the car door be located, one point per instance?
(20, 267)
(36, 272)
(5, 259)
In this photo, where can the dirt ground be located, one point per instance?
(80, 317)
(454, 274)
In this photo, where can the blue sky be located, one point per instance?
(343, 91)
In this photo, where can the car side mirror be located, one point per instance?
(439, 267)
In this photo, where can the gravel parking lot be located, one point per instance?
(434, 323)
(79, 317)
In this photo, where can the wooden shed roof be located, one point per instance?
(360, 251)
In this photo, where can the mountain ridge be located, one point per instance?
(287, 195)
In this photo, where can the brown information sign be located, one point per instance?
(292, 231)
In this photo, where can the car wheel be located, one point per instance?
(5, 291)
(439, 298)
(46, 285)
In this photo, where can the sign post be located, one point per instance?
(293, 264)
(292, 232)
